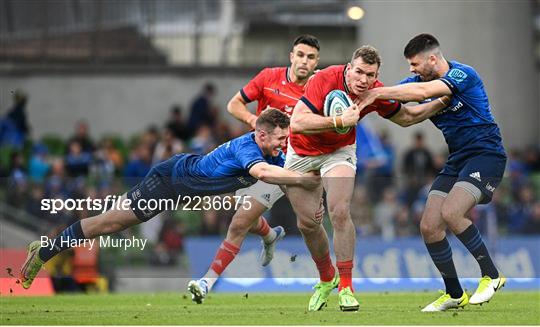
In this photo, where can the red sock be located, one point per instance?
(325, 267)
(345, 274)
(224, 256)
(262, 228)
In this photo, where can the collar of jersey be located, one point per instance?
(287, 74)
(345, 81)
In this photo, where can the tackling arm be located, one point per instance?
(409, 115)
(414, 92)
(276, 175)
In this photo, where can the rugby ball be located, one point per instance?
(335, 104)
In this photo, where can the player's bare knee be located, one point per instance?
(450, 213)
(339, 215)
(427, 227)
(239, 226)
(307, 226)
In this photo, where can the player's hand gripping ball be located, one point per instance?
(335, 104)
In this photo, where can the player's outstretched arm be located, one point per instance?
(409, 115)
(276, 175)
(238, 108)
(414, 92)
(304, 121)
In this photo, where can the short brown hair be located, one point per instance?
(369, 55)
(271, 118)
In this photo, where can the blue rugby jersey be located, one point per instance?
(467, 123)
(226, 169)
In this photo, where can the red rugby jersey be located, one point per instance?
(273, 88)
(322, 83)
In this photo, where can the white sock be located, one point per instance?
(211, 278)
(270, 237)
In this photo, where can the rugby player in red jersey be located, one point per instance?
(280, 88)
(314, 145)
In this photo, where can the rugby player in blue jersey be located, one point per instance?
(236, 164)
(474, 168)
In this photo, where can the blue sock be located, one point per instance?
(441, 254)
(473, 242)
(61, 242)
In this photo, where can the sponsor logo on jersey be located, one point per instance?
(457, 106)
(457, 75)
(266, 197)
(476, 175)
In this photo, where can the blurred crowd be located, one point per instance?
(79, 167)
(388, 200)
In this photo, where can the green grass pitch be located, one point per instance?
(506, 308)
